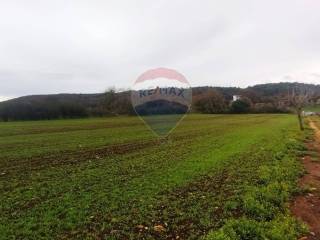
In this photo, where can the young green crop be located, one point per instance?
(112, 179)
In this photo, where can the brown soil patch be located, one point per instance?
(307, 207)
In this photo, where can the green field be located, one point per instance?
(111, 178)
(314, 108)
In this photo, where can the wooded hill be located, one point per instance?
(264, 98)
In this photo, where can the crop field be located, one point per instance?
(214, 177)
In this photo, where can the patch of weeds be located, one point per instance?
(312, 153)
(307, 189)
(315, 160)
(281, 228)
(231, 205)
(264, 203)
(236, 229)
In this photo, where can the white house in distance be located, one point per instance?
(236, 98)
(306, 113)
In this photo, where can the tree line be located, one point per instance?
(265, 98)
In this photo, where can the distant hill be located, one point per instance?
(276, 89)
(258, 92)
(38, 107)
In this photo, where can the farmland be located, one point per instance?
(111, 178)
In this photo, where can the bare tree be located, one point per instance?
(210, 101)
(117, 102)
(110, 101)
(297, 100)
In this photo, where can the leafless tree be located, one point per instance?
(210, 101)
(298, 99)
(117, 102)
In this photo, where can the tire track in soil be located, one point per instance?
(307, 207)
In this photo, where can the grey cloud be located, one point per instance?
(87, 46)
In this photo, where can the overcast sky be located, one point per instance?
(73, 46)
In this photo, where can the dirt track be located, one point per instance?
(307, 207)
